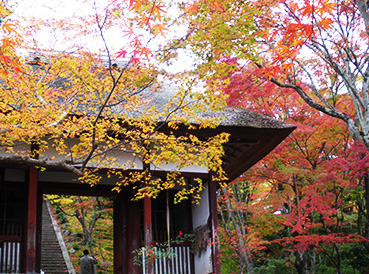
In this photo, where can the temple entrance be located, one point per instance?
(169, 221)
(131, 226)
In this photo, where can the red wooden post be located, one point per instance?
(215, 252)
(31, 234)
(126, 234)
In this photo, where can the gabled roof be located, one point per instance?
(252, 135)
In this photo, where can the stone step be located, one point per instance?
(52, 261)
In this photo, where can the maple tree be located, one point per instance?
(315, 52)
(316, 48)
(86, 107)
(87, 210)
(9, 40)
(300, 196)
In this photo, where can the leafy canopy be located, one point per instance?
(79, 111)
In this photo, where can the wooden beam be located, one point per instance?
(31, 226)
(215, 252)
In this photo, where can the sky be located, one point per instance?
(53, 9)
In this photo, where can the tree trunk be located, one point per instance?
(338, 264)
(234, 219)
(366, 209)
(301, 262)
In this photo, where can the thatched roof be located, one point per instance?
(252, 135)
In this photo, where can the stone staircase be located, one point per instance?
(52, 259)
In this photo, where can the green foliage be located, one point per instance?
(228, 261)
(356, 256)
(79, 235)
(273, 266)
(62, 218)
(345, 269)
(324, 269)
(76, 246)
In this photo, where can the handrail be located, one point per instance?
(10, 255)
(178, 262)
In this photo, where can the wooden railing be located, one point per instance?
(10, 257)
(179, 261)
(10, 248)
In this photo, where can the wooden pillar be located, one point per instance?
(215, 252)
(31, 226)
(39, 226)
(134, 235)
(120, 235)
(126, 234)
